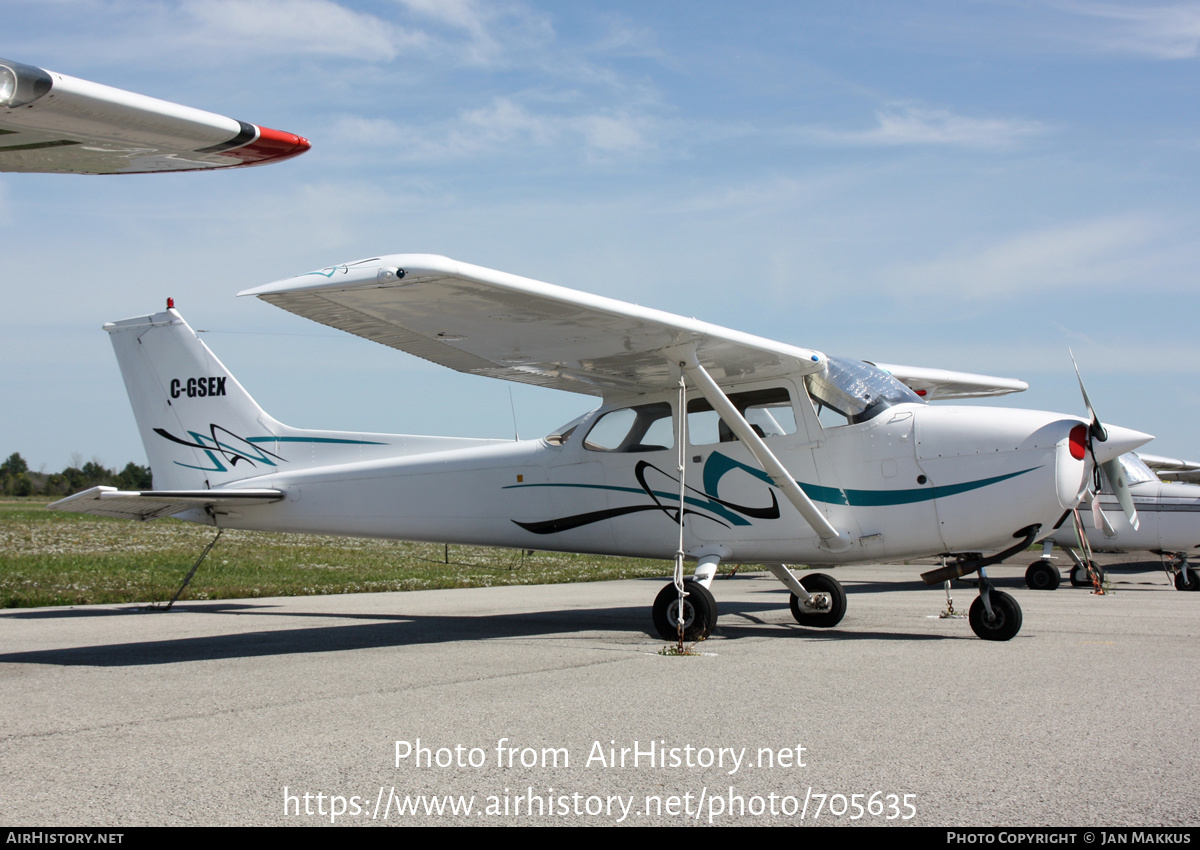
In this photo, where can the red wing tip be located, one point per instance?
(271, 146)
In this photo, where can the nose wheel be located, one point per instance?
(1004, 619)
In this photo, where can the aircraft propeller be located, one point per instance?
(1106, 457)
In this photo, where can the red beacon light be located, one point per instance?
(170, 303)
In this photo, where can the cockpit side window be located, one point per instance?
(644, 428)
(768, 411)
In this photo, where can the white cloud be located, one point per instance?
(318, 27)
(1166, 31)
(910, 125)
(502, 127)
(1090, 254)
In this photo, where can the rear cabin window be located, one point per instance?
(645, 428)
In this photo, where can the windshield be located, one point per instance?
(857, 390)
(1135, 469)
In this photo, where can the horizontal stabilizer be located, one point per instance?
(152, 504)
(941, 384)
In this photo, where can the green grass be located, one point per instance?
(52, 558)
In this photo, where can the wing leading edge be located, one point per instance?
(51, 122)
(485, 322)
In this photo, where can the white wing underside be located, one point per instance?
(51, 122)
(485, 322)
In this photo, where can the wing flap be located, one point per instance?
(485, 322)
(152, 504)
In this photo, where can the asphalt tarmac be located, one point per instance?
(552, 705)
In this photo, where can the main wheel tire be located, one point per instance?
(1042, 575)
(1006, 622)
(820, 583)
(1192, 583)
(1080, 577)
(699, 612)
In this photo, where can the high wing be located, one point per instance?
(50, 122)
(486, 322)
(152, 504)
(941, 384)
(1172, 469)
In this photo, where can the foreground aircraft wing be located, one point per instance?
(152, 504)
(55, 123)
(485, 322)
(940, 384)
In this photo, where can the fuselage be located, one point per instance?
(912, 480)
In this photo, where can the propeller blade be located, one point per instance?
(1116, 477)
(1099, 520)
(1097, 430)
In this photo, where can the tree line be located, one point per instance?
(17, 480)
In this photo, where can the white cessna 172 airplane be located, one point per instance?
(1167, 525)
(55, 123)
(710, 444)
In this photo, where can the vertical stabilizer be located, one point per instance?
(200, 427)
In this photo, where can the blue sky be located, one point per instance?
(966, 185)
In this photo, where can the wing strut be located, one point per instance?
(831, 539)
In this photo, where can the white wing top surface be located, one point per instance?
(51, 122)
(486, 322)
(941, 384)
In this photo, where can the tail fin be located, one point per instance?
(200, 427)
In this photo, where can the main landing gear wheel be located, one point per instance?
(1080, 577)
(699, 612)
(820, 583)
(1193, 582)
(1042, 575)
(1006, 621)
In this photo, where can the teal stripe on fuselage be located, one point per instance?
(313, 440)
(827, 495)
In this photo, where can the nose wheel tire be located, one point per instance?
(699, 612)
(1006, 619)
(827, 618)
(1042, 575)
